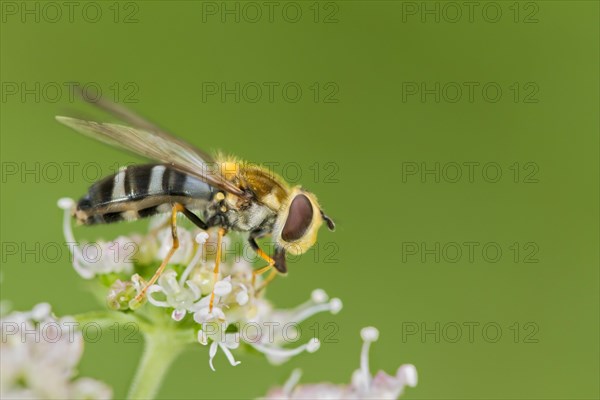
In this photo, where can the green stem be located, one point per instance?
(107, 318)
(160, 350)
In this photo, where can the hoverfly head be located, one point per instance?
(298, 222)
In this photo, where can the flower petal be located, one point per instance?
(214, 346)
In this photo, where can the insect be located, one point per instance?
(220, 192)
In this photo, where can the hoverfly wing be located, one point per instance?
(154, 146)
(137, 121)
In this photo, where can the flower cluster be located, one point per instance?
(39, 358)
(362, 386)
(224, 313)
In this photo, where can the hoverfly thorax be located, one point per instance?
(298, 222)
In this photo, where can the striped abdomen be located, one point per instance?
(140, 191)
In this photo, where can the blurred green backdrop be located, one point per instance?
(367, 97)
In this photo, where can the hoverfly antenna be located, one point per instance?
(329, 221)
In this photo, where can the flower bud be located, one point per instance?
(120, 294)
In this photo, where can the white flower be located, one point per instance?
(203, 312)
(98, 258)
(277, 327)
(222, 340)
(363, 385)
(258, 324)
(178, 297)
(228, 300)
(242, 295)
(39, 358)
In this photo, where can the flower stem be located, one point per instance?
(108, 318)
(160, 350)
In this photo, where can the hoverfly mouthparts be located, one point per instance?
(279, 258)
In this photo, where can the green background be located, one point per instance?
(369, 134)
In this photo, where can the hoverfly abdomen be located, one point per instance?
(140, 191)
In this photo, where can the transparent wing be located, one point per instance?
(135, 120)
(154, 146)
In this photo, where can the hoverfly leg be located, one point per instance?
(272, 275)
(190, 215)
(278, 263)
(220, 233)
(262, 255)
(194, 218)
(176, 208)
(260, 271)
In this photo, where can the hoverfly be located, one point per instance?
(219, 192)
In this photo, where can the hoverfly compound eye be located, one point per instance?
(300, 216)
